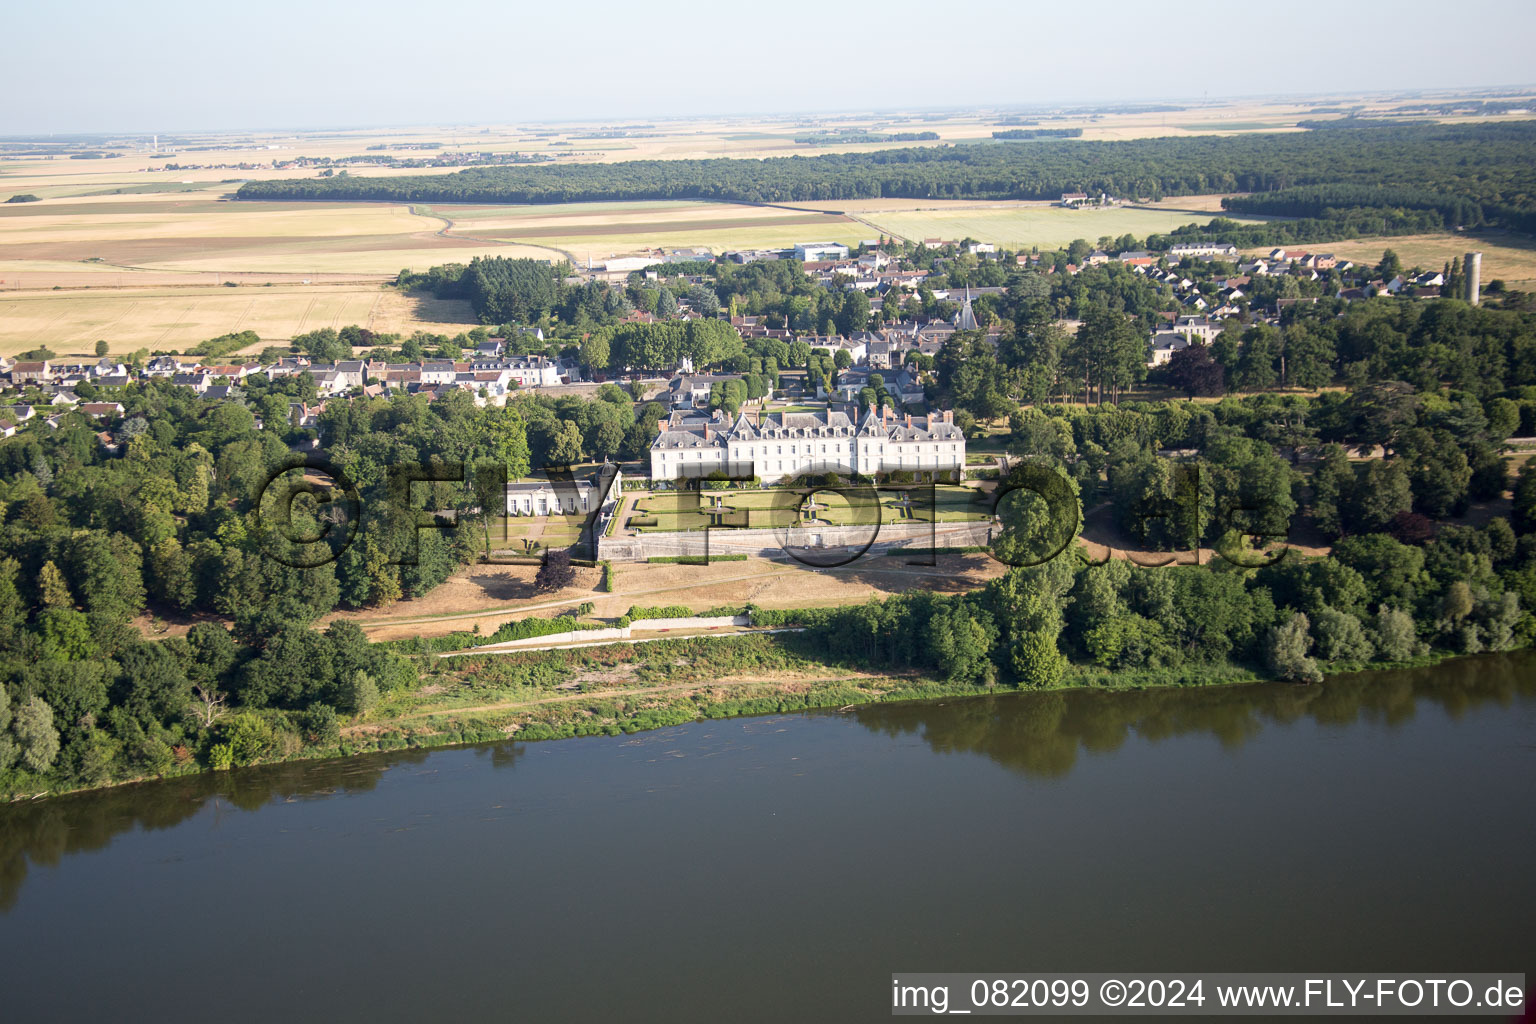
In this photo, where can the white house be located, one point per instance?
(543, 498)
(1179, 250)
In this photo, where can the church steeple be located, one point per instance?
(967, 321)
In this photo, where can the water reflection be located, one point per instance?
(1042, 734)
(43, 832)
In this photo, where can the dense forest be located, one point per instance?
(1489, 165)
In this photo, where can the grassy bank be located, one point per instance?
(621, 688)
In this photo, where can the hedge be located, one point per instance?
(517, 629)
(694, 559)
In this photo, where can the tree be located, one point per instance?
(102, 348)
(1390, 266)
(556, 573)
(854, 316)
(207, 706)
(359, 693)
(1256, 363)
(36, 737)
(1193, 371)
(666, 304)
(565, 447)
(52, 588)
(1395, 635)
(1381, 493)
(1341, 637)
(1332, 490)
(595, 351)
(1286, 650)
(959, 640)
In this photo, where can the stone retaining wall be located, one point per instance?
(807, 541)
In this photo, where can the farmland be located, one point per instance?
(178, 233)
(1018, 225)
(1505, 257)
(175, 318)
(607, 229)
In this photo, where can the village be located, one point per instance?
(872, 417)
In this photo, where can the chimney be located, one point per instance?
(949, 415)
(708, 431)
(909, 420)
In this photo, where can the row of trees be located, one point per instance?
(1486, 163)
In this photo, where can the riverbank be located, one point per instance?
(617, 689)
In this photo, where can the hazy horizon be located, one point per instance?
(172, 66)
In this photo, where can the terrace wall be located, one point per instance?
(767, 543)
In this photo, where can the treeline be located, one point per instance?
(503, 290)
(1375, 599)
(1039, 133)
(841, 138)
(1331, 202)
(1488, 163)
(660, 346)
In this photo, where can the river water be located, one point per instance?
(780, 868)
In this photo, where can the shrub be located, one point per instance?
(672, 611)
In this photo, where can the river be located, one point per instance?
(780, 868)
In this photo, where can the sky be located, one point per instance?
(172, 65)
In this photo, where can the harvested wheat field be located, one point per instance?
(609, 229)
(173, 319)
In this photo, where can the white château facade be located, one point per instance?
(787, 444)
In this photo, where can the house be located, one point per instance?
(1180, 250)
(832, 344)
(534, 371)
(1096, 258)
(351, 373)
(1137, 258)
(1164, 345)
(198, 381)
(1199, 328)
(30, 371)
(789, 444)
(544, 498)
(7, 428)
(96, 410)
(1074, 199)
(108, 442)
(691, 391)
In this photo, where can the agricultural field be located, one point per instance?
(203, 232)
(1505, 257)
(171, 319)
(1019, 225)
(600, 230)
